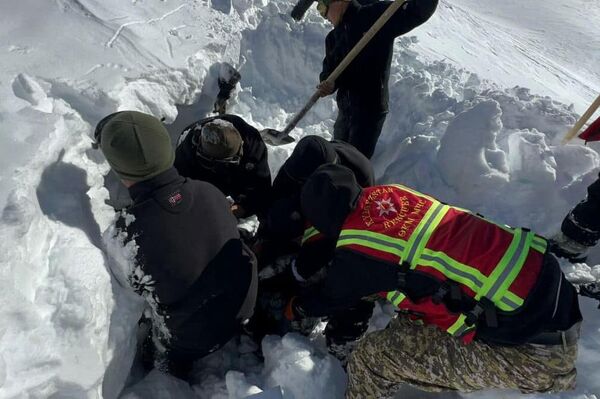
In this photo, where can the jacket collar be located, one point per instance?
(144, 189)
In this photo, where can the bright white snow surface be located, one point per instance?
(458, 128)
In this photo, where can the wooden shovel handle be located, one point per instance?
(584, 118)
(387, 14)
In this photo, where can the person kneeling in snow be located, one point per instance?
(580, 231)
(192, 267)
(283, 219)
(229, 153)
(481, 305)
(282, 228)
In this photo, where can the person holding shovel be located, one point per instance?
(362, 89)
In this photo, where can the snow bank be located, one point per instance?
(68, 326)
(548, 46)
(292, 362)
(464, 140)
(59, 336)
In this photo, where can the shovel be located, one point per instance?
(584, 118)
(276, 137)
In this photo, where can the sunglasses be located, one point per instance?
(99, 127)
(208, 161)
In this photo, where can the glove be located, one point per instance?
(325, 88)
(300, 9)
(564, 247)
(220, 106)
(590, 290)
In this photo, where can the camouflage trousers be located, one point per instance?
(429, 359)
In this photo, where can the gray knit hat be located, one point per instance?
(219, 139)
(137, 146)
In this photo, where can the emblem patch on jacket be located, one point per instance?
(175, 198)
(392, 210)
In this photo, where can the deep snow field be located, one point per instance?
(481, 96)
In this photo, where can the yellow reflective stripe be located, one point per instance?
(435, 221)
(453, 269)
(367, 233)
(539, 244)
(514, 298)
(513, 269)
(439, 261)
(459, 327)
(498, 283)
(369, 239)
(395, 297)
(369, 243)
(509, 302)
(504, 261)
(309, 233)
(466, 275)
(422, 233)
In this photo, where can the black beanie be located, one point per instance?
(328, 197)
(310, 153)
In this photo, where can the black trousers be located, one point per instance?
(359, 128)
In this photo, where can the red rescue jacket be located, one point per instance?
(494, 265)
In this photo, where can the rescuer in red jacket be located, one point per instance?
(477, 294)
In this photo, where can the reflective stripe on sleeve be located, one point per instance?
(309, 233)
(395, 297)
(460, 328)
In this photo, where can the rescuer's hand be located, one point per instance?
(325, 88)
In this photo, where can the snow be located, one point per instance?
(549, 46)
(480, 97)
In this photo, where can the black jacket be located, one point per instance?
(283, 218)
(552, 305)
(248, 183)
(189, 247)
(363, 86)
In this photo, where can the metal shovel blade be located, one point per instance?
(275, 137)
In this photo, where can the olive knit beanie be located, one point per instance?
(137, 146)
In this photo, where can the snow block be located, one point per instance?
(293, 363)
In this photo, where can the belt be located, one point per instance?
(565, 338)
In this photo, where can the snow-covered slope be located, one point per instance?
(457, 129)
(549, 46)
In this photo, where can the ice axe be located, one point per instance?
(584, 118)
(276, 137)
